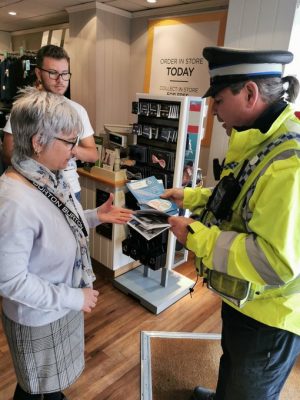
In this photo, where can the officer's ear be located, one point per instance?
(251, 93)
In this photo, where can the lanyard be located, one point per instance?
(63, 208)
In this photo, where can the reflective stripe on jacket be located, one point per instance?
(260, 244)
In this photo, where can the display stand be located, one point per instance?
(146, 285)
(157, 290)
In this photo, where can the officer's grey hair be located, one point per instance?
(273, 89)
(43, 114)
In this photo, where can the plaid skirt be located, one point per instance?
(47, 358)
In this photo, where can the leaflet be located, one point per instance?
(148, 233)
(147, 191)
(152, 219)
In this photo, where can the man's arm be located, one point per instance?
(8, 144)
(86, 150)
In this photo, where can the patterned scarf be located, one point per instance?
(56, 184)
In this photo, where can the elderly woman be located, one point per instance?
(45, 270)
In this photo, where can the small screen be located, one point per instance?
(119, 140)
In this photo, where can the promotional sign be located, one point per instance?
(175, 65)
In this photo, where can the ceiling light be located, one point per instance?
(151, 1)
(12, 13)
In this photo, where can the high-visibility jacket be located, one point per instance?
(261, 242)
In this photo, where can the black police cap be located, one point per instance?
(227, 65)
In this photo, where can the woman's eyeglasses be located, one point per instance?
(71, 143)
(66, 76)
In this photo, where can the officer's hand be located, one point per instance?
(175, 195)
(179, 227)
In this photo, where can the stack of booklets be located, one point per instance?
(152, 218)
(149, 223)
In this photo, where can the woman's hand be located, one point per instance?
(90, 299)
(115, 215)
(179, 227)
(175, 195)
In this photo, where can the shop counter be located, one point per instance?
(106, 239)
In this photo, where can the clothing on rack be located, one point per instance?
(16, 71)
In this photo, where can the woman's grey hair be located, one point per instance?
(273, 89)
(43, 114)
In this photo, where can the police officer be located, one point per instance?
(246, 236)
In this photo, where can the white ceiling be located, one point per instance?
(39, 13)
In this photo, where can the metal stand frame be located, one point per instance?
(156, 290)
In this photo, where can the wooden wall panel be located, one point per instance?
(83, 58)
(5, 41)
(29, 41)
(113, 61)
(139, 37)
(284, 23)
(260, 24)
(100, 46)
